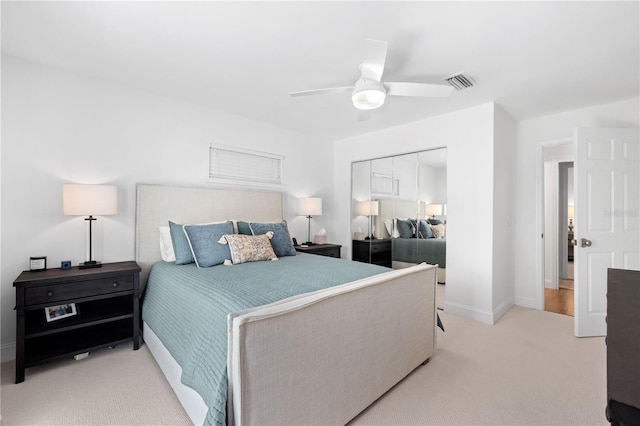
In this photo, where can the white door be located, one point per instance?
(607, 222)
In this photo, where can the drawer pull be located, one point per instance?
(50, 293)
(116, 284)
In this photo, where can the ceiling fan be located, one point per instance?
(369, 92)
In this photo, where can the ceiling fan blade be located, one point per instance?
(418, 89)
(322, 91)
(375, 55)
(364, 114)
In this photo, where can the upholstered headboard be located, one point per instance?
(394, 208)
(158, 204)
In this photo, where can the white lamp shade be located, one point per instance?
(368, 208)
(570, 212)
(89, 200)
(433, 210)
(310, 206)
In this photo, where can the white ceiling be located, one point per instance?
(532, 58)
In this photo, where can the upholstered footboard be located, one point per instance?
(323, 357)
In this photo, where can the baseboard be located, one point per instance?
(480, 315)
(502, 309)
(469, 312)
(8, 352)
(526, 302)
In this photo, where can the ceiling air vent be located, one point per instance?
(460, 81)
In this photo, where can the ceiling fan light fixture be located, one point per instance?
(368, 98)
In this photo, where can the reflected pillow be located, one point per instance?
(439, 231)
(249, 248)
(424, 230)
(405, 229)
(392, 228)
(281, 240)
(203, 241)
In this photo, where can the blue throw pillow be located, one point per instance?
(281, 240)
(243, 228)
(180, 244)
(424, 230)
(434, 221)
(405, 229)
(203, 240)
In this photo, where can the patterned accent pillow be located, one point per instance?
(439, 231)
(248, 248)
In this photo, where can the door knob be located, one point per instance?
(585, 243)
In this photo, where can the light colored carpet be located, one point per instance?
(526, 369)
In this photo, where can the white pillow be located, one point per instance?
(166, 245)
(392, 228)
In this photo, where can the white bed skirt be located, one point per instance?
(191, 400)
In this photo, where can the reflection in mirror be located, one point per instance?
(399, 210)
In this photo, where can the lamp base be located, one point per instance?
(90, 264)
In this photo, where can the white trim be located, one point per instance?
(465, 311)
(8, 352)
(232, 183)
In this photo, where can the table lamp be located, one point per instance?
(89, 200)
(309, 207)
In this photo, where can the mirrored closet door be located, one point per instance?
(398, 210)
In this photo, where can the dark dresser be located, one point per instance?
(623, 347)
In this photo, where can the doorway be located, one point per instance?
(558, 229)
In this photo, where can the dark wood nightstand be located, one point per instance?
(372, 251)
(107, 306)
(329, 250)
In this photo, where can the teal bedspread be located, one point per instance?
(417, 250)
(187, 309)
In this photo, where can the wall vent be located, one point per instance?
(460, 81)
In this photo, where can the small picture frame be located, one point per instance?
(65, 265)
(37, 263)
(58, 312)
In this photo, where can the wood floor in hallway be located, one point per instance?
(559, 301)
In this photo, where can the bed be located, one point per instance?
(317, 344)
(411, 244)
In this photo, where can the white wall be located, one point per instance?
(531, 133)
(470, 198)
(59, 127)
(504, 148)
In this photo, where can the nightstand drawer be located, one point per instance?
(328, 250)
(377, 247)
(60, 292)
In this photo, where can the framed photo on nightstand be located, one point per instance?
(58, 312)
